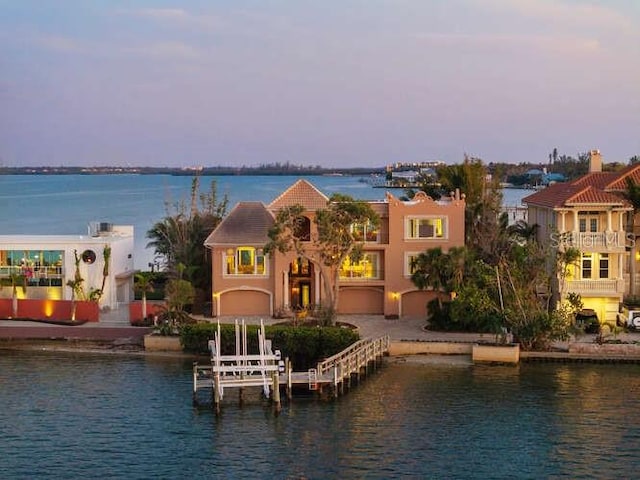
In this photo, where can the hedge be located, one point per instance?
(304, 346)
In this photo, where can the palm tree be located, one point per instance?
(76, 288)
(17, 280)
(143, 285)
(439, 271)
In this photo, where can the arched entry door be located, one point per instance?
(300, 283)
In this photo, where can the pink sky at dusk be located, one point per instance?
(334, 83)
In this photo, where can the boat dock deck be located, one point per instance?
(268, 371)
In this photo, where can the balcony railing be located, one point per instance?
(610, 286)
(32, 272)
(594, 240)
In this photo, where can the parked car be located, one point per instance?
(587, 319)
(628, 318)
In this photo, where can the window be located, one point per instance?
(244, 261)
(410, 263)
(426, 227)
(366, 268)
(302, 229)
(587, 266)
(604, 265)
(37, 263)
(588, 224)
(364, 232)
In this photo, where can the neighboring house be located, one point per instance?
(590, 214)
(48, 262)
(248, 282)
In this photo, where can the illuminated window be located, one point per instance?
(426, 227)
(364, 232)
(366, 268)
(244, 261)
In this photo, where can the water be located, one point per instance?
(66, 204)
(71, 416)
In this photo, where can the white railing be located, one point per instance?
(594, 239)
(353, 358)
(607, 286)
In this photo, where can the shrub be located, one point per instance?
(304, 346)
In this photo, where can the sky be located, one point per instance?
(335, 83)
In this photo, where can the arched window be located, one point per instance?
(302, 229)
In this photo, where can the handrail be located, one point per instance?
(348, 359)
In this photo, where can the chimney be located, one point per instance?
(595, 161)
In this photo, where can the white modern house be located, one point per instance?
(102, 258)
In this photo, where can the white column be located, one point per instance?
(609, 226)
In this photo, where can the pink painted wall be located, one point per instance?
(135, 309)
(50, 309)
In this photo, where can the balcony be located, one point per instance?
(610, 287)
(595, 241)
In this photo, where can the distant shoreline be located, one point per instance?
(201, 171)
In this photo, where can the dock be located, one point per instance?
(267, 370)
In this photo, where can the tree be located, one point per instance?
(17, 280)
(143, 284)
(439, 271)
(178, 239)
(330, 245)
(484, 230)
(179, 294)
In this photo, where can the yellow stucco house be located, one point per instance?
(592, 215)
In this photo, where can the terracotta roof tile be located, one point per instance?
(595, 179)
(301, 193)
(592, 195)
(619, 182)
(571, 194)
(248, 223)
(553, 196)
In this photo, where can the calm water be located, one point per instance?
(99, 416)
(66, 204)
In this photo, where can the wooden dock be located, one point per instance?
(267, 370)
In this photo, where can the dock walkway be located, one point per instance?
(268, 371)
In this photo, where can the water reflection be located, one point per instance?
(76, 416)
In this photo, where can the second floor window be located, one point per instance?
(425, 227)
(364, 232)
(588, 224)
(244, 261)
(366, 268)
(587, 266)
(604, 265)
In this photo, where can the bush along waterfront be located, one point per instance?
(304, 346)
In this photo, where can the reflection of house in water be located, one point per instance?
(48, 262)
(248, 282)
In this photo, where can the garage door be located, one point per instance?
(361, 300)
(414, 304)
(245, 302)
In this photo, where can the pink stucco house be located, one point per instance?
(248, 282)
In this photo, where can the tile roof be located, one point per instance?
(571, 194)
(619, 183)
(594, 196)
(593, 188)
(247, 223)
(595, 179)
(301, 193)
